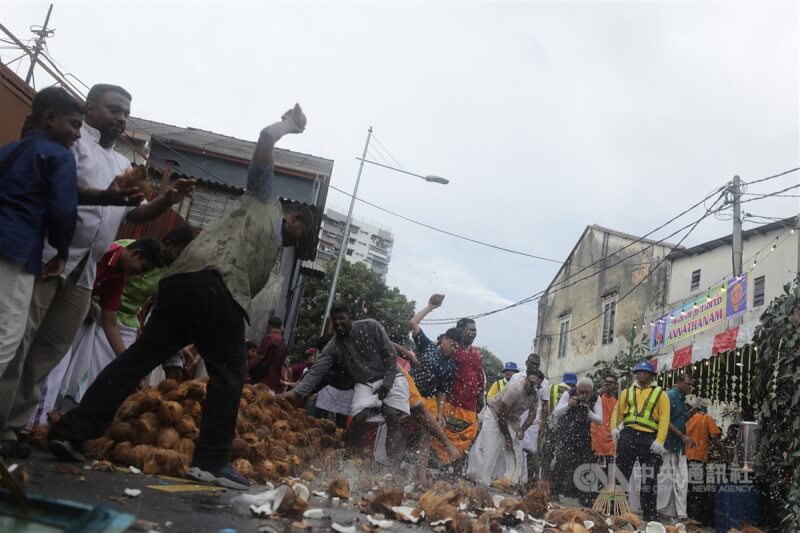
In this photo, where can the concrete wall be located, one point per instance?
(778, 268)
(583, 301)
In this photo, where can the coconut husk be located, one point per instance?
(503, 483)
(185, 447)
(150, 400)
(263, 433)
(168, 438)
(99, 448)
(277, 453)
(339, 488)
(170, 413)
(296, 439)
(282, 467)
(192, 408)
(281, 426)
(129, 409)
(308, 475)
(625, 519)
(134, 177)
(328, 427)
(120, 431)
(249, 394)
(176, 395)
(328, 441)
(257, 452)
(294, 460)
(196, 390)
(239, 448)
(146, 429)
(187, 427)
(572, 515)
(53, 417)
(747, 528)
(167, 386)
(165, 462)
(141, 453)
(244, 467)
(265, 471)
(385, 499)
(439, 506)
(536, 501)
(123, 454)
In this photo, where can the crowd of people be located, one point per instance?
(86, 320)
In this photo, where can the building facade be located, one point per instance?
(368, 243)
(605, 288)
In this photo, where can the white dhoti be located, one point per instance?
(364, 397)
(634, 488)
(335, 400)
(89, 354)
(488, 458)
(673, 486)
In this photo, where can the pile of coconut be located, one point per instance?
(154, 431)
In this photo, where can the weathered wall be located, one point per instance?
(582, 299)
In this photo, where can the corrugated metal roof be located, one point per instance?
(228, 146)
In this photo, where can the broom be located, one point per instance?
(612, 501)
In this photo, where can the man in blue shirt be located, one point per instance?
(434, 378)
(674, 474)
(38, 197)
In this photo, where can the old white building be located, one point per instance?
(608, 283)
(369, 243)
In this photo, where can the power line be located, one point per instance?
(773, 176)
(770, 195)
(549, 290)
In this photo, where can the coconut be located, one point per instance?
(140, 454)
(249, 394)
(129, 409)
(196, 390)
(123, 454)
(99, 448)
(339, 488)
(282, 425)
(328, 427)
(187, 428)
(150, 400)
(184, 447)
(38, 437)
(192, 408)
(239, 448)
(120, 431)
(287, 503)
(168, 438)
(170, 413)
(167, 386)
(385, 499)
(165, 462)
(146, 429)
(244, 467)
(176, 395)
(308, 475)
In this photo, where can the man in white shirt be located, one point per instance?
(530, 442)
(60, 303)
(577, 409)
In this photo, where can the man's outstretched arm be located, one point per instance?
(434, 302)
(259, 176)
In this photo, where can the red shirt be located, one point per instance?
(469, 383)
(270, 369)
(110, 280)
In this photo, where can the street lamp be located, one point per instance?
(429, 178)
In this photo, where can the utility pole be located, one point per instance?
(737, 226)
(345, 238)
(43, 34)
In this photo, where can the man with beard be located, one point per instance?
(531, 441)
(466, 396)
(577, 411)
(497, 452)
(364, 352)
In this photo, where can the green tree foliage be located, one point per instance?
(492, 365)
(622, 363)
(360, 288)
(776, 399)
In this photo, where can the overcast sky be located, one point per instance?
(545, 116)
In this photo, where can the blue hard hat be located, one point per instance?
(510, 367)
(570, 378)
(644, 365)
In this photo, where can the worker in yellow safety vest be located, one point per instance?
(508, 371)
(639, 426)
(550, 438)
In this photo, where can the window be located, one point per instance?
(695, 280)
(349, 251)
(563, 338)
(609, 319)
(758, 291)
